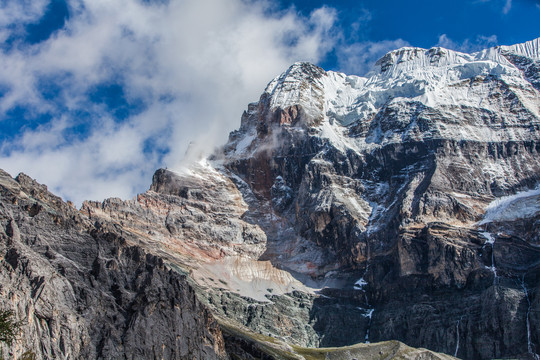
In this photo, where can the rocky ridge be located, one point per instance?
(82, 292)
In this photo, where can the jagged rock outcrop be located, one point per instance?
(82, 292)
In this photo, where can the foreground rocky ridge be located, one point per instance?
(82, 292)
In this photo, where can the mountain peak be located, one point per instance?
(299, 85)
(296, 73)
(399, 56)
(530, 49)
(334, 105)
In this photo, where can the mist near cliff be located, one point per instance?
(121, 88)
(96, 95)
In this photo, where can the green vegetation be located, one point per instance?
(278, 349)
(9, 328)
(265, 344)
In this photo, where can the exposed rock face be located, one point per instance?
(395, 177)
(83, 290)
(195, 215)
(385, 190)
(400, 206)
(83, 293)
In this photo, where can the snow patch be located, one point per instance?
(243, 144)
(489, 238)
(369, 313)
(336, 137)
(359, 285)
(247, 277)
(524, 204)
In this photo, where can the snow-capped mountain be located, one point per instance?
(367, 196)
(442, 79)
(428, 135)
(402, 205)
(396, 176)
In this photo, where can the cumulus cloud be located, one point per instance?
(21, 12)
(358, 58)
(183, 70)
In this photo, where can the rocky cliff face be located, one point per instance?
(403, 205)
(408, 196)
(82, 292)
(81, 289)
(398, 177)
(421, 179)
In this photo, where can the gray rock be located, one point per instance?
(82, 293)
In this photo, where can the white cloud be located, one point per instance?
(506, 4)
(447, 43)
(358, 58)
(468, 45)
(21, 11)
(507, 7)
(193, 64)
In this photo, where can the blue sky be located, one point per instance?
(421, 22)
(95, 95)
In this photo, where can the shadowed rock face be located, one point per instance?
(82, 293)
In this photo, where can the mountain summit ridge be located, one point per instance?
(464, 80)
